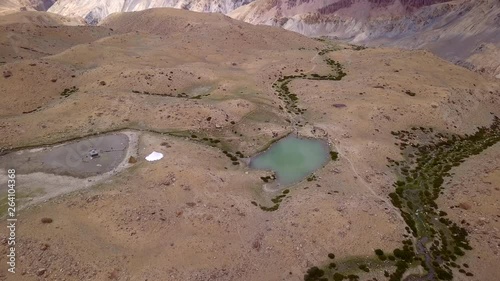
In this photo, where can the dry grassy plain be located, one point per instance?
(167, 75)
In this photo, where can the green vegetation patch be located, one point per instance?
(276, 200)
(282, 89)
(69, 91)
(410, 93)
(433, 241)
(334, 155)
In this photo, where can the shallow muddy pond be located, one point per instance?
(82, 158)
(293, 158)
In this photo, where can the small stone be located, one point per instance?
(92, 198)
(47, 220)
(41, 271)
(464, 205)
(53, 80)
(102, 83)
(113, 275)
(44, 247)
(132, 160)
(482, 221)
(7, 74)
(256, 245)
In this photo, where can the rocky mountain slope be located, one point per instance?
(9, 6)
(463, 31)
(95, 10)
(39, 5)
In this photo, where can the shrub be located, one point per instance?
(338, 277)
(313, 273)
(410, 93)
(364, 268)
(334, 155)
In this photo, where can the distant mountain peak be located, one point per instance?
(93, 11)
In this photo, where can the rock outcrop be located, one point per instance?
(455, 30)
(94, 11)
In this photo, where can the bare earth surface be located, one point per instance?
(194, 85)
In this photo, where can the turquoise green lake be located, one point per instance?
(293, 158)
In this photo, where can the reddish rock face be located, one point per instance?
(332, 8)
(42, 5)
(409, 4)
(421, 3)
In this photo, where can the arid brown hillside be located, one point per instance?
(209, 92)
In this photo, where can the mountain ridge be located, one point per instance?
(462, 31)
(456, 30)
(94, 11)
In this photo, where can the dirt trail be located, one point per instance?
(343, 154)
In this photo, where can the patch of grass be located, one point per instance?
(334, 155)
(273, 208)
(197, 97)
(314, 274)
(421, 180)
(364, 267)
(311, 178)
(267, 179)
(282, 89)
(358, 47)
(410, 93)
(338, 277)
(276, 200)
(69, 91)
